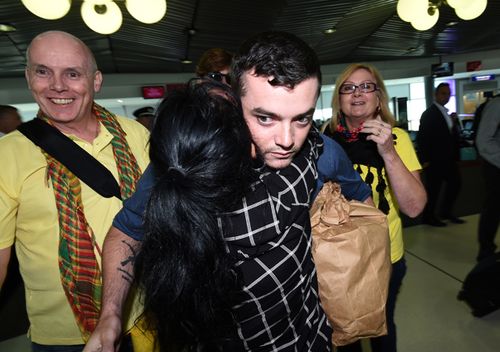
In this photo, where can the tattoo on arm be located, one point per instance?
(126, 274)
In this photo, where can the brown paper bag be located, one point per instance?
(352, 256)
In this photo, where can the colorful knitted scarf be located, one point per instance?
(348, 135)
(80, 272)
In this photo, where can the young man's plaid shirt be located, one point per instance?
(270, 235)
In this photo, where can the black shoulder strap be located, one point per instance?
(68, 153)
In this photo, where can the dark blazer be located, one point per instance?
(435, 142)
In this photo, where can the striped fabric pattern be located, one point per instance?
(80, 272)
(128, 169)
(78, 265)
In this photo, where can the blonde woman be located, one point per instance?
(384, 156)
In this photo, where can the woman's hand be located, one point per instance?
(381, 133)
(406, 186)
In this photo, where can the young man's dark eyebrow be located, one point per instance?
(261, 111)
(309, 114)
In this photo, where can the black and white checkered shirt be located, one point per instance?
(270, 235)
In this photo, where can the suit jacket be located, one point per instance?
(436, 144)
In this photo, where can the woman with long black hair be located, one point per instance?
(200, 153)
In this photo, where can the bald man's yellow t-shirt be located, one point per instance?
(29, 219)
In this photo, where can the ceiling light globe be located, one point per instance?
(105, 23)
(457, 3)
(7, 27)
(48, 9)
(408, 10)
(468, 10)
(425, 22)
(147, 11)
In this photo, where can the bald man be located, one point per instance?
(58, 223)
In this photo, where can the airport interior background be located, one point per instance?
(428, 315)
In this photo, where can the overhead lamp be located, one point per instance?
(330, 30)
(191, 31)
(48, 9)
(407, 9)
(425, 20)
(468, 10)
(147, 11)
(423, 14)
(102, 16)
(7, 27)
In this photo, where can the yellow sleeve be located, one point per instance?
(406, 151)
(8, 191)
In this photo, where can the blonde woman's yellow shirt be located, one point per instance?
(406, 152)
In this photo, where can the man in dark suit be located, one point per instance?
(438, 150)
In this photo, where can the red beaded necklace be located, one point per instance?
(349, 136)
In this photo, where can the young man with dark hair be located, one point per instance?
(278, 79)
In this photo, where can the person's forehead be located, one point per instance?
(261, 96)
(252, 84)
(62, 50)
(360, 74)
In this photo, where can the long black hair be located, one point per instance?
(200, 152)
